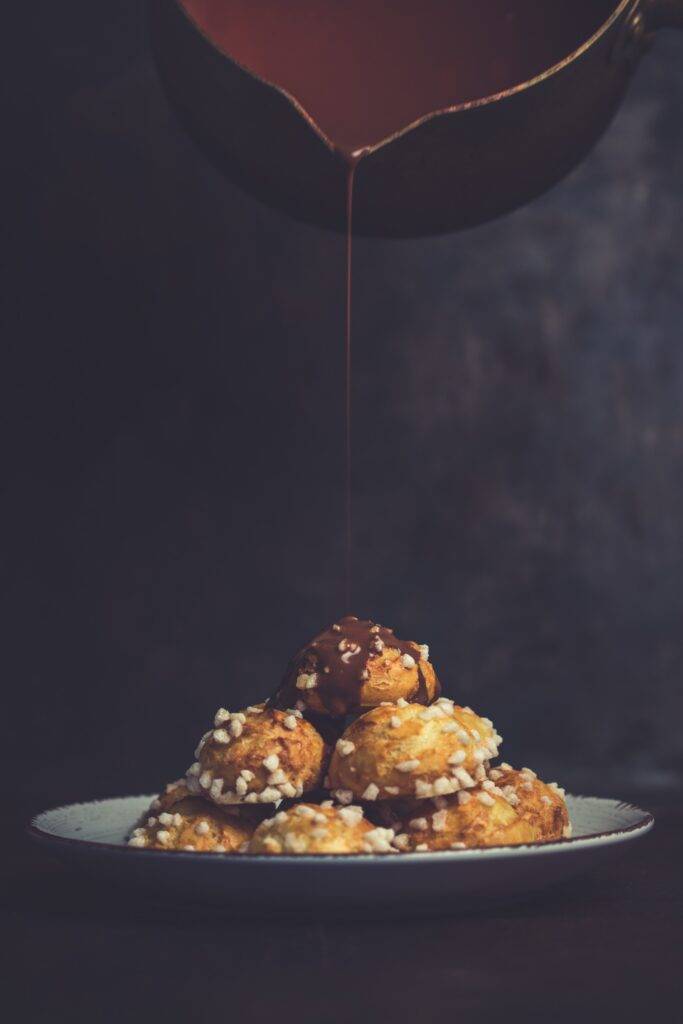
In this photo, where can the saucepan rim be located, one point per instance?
(484, 101)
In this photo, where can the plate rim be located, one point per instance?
(641, 827)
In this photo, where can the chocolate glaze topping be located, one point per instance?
(338, 658)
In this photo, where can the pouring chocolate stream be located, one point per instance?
(399, 80)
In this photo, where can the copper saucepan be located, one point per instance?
(452, 170)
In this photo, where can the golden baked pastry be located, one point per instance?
(407, 750)
(471, 818)
(420, 764)
(179, 821)
(260, 755)
(541, 804)
(357, 664)
(320, 828)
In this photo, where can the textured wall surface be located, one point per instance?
(171, 381)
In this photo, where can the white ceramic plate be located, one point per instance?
(92, 836)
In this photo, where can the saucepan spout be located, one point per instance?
(452, 168)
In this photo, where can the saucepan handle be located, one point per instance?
(663, 14)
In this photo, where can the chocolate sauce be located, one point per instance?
(365, 69)
(348, 533)
(338, 658)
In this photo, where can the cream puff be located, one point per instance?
(180, 821)
(407, 750)
(260, 755)
(320, 829)
(471, 818)
(357, 664)
(541, 804)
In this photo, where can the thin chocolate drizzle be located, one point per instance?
(339, 658)
(348, 532)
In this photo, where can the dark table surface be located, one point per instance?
(606, 947)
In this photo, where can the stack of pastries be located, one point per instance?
(355, 753)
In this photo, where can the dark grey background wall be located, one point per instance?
(172, 388)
